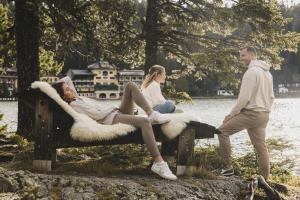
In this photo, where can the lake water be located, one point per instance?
(284, 122)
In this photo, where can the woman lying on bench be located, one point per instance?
(123, 114)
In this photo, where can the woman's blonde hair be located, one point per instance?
(153, 72)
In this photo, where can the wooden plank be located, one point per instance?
(52, 131)
(43, 132)
(186, 145)
(203, 130)
(63, 140)
(42, 165)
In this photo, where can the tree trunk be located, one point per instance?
(151, 31)
(27, 43)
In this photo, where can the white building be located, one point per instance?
(8, 82)
(283, 90)
(225, 93)
(136, 76)
(105, 80)
(83, 81)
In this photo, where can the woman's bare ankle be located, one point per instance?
(158, 159)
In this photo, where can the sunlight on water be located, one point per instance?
(284, 121)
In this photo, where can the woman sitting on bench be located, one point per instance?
(152, 92)
(123, 114)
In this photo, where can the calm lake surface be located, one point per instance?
(284, 122)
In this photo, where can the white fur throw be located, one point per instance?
(86, 129)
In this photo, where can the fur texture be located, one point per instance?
(86, 129)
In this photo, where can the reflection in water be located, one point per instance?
(284, 121)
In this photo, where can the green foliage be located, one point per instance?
(22, 143)
(7, 45)
(201, 37)
(208, 158)
(83, 32)
(178, 97)
(48, 65)
(2, 127)
(278, 144)
(135, 159)
(209, 45)
(105, 160)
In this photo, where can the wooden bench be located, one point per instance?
(52, 131)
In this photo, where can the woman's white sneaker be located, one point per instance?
(158, 118)
(163, 170)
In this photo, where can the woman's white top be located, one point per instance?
(94, 109)
(153, 94)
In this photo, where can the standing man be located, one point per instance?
(251, 112)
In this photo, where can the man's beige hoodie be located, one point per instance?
(256, 91)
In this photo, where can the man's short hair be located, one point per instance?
(249, 49)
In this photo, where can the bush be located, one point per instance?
(208, 158)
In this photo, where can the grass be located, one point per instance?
(135, 159)
(55, 193)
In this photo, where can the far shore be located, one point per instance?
(277, 96)
(235, 97)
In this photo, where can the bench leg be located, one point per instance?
(44, 152)
(44, 159)
(168, 147)
(185, 150)
(42, 165)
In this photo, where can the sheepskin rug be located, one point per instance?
(86, 129)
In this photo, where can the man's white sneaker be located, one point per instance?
(157, 118)
(163, 170)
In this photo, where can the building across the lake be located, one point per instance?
(8, 82)
(83, 81)
(136, 76)
(105, 80)
(100, 80)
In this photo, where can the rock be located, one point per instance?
(63, 182)
(9, 196)
(20, 173)
(89, 196)
(44, 198)
(89, 189)
(28, 185)
(42, 192)
(70, 193)
(29, 182)
(29, 197)
(79, 189)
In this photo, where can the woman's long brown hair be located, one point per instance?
(153, 72)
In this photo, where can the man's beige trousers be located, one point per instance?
(255, 123)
